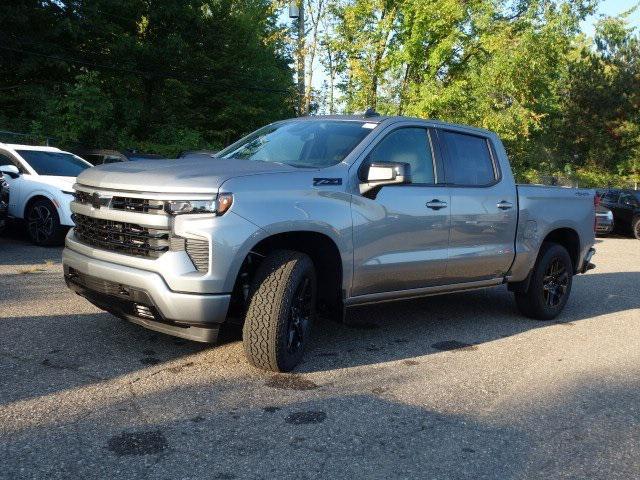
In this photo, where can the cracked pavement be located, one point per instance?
(457, 386)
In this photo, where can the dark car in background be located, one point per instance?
(4, 202)
(625, 206)
(604, 220)
(102, 156)
(198, 154)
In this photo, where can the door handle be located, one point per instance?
(436, 204)
(504, 205)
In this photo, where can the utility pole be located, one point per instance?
(296, 10)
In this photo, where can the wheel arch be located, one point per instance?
(570, 240)
(34, 198)
(320, 247)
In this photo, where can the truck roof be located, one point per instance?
(389, 119)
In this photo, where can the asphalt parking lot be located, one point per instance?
(456, 386)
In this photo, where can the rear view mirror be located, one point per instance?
(376, 175)
(10, 170)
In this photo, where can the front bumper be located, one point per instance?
(144, 298)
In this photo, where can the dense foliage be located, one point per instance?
(170, 75)
(163, 76)
(563, 106)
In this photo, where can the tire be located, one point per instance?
(282, 308)
(635, 227)
(43, 224)
(550, 284)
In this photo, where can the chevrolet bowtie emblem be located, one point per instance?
(97, 201)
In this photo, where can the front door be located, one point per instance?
(627, 207)
(484, 209)
(15, 184)
(401, 232)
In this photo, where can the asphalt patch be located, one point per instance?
(305, 418)
(290, 382)
(448, 345)
(138, 443)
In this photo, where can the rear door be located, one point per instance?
(484, 208)
(401, 232)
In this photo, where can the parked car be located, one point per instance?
(4, 202)
(198, 154)
(625, 205)
(102, 156)
(604, 220)
(41, 181)
(320, 214)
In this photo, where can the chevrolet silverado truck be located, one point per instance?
(316, 215)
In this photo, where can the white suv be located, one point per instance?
(41, 187)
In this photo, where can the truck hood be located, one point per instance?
(195, 175)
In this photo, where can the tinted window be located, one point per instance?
(469, 159)
(611, 197)
(408, 145)
(628, 199)
(8, 160)
(300, 143)
(54, 163)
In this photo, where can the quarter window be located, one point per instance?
(407, 145)
(469, 159)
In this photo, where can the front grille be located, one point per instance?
(127, 238)
(129, 204)
(137, 205)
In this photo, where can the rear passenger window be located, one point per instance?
(469, 159)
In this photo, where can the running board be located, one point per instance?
(420, 292)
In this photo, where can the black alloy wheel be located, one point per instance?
(43, 224)
(554, 283)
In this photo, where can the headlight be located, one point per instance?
(610, 215)
(218, 205)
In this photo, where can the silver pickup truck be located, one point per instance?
(316, 215)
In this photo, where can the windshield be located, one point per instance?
(54, 163)
(309, 143)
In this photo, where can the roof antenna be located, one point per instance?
(370, 112)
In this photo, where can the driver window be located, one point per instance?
(408, 145)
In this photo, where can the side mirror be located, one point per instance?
(10, 170)
(377, 174)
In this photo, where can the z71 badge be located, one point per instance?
(317, 182)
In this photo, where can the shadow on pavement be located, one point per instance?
(331, 434)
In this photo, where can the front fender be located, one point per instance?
(287, 203)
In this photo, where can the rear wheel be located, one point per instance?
(43, 224)
(550, 284)
(281, 310)
(635, 227)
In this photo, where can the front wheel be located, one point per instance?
(282, 308)
(43, 224)
(635, 227)
(550, 284)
